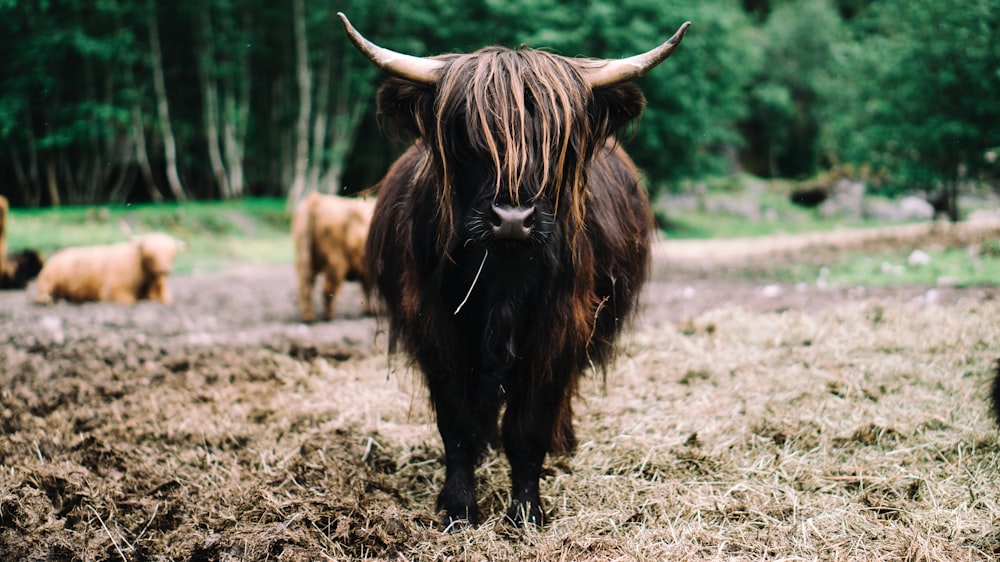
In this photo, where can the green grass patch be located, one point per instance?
(221, 234)
(953, 266)
(720, 214)
(218, 233)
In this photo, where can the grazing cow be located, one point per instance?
(509, 244)
(20, 269)
(329, 234)
(125, 272)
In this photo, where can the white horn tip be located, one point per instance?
(343, 19)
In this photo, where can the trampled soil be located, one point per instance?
(220, 428)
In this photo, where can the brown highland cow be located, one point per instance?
(509, 245)
(125, 272)
(329, 234)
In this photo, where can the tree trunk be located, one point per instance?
(142, 155)
(210, 101)
(952, 195)
(108, 159)
(320, 120)
(347, 114)
(50, 180)
(70, 180)
(123, 185)
(88, 165)
(138, 142)
(301, 158)
(237, 108)
(234, 156)
(284, 148)
(162, 107)
(23, 185)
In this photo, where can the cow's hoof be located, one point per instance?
(526, 513)
(457, 524)
(459, 520)
(458, 514)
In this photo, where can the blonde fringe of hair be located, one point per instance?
(494, 89)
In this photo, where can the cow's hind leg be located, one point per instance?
(334, 278)
(306, 279)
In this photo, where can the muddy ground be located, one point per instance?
(220, 428)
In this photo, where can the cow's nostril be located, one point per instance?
(512, 223)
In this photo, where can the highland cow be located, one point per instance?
(509, 244)
(329, 234)
(124, 273)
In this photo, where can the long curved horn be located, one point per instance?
(623, 70)
(417, 69)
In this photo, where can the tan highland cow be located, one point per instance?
(124, 273)
(329, 234)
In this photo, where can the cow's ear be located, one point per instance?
(406, 107)
(615, 106)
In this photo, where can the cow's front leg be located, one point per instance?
(457, 422)
(527, 437)
(158, 290)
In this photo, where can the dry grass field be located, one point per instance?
(743, 420)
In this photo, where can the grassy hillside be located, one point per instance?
(756, 211)
(218, 234)
(222, 234)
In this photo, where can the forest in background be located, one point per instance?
(124, 102)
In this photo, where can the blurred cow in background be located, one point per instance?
(329, 234)
(124, 273)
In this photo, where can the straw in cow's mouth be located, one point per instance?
(473, 285)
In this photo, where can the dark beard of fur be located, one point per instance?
(502, 289)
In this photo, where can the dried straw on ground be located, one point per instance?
(858, 430)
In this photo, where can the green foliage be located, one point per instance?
(695, 99)
(920, 82)
(904, 88)
(793, 85)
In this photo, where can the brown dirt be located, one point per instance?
(220, 428)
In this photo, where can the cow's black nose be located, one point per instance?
(512, 223)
